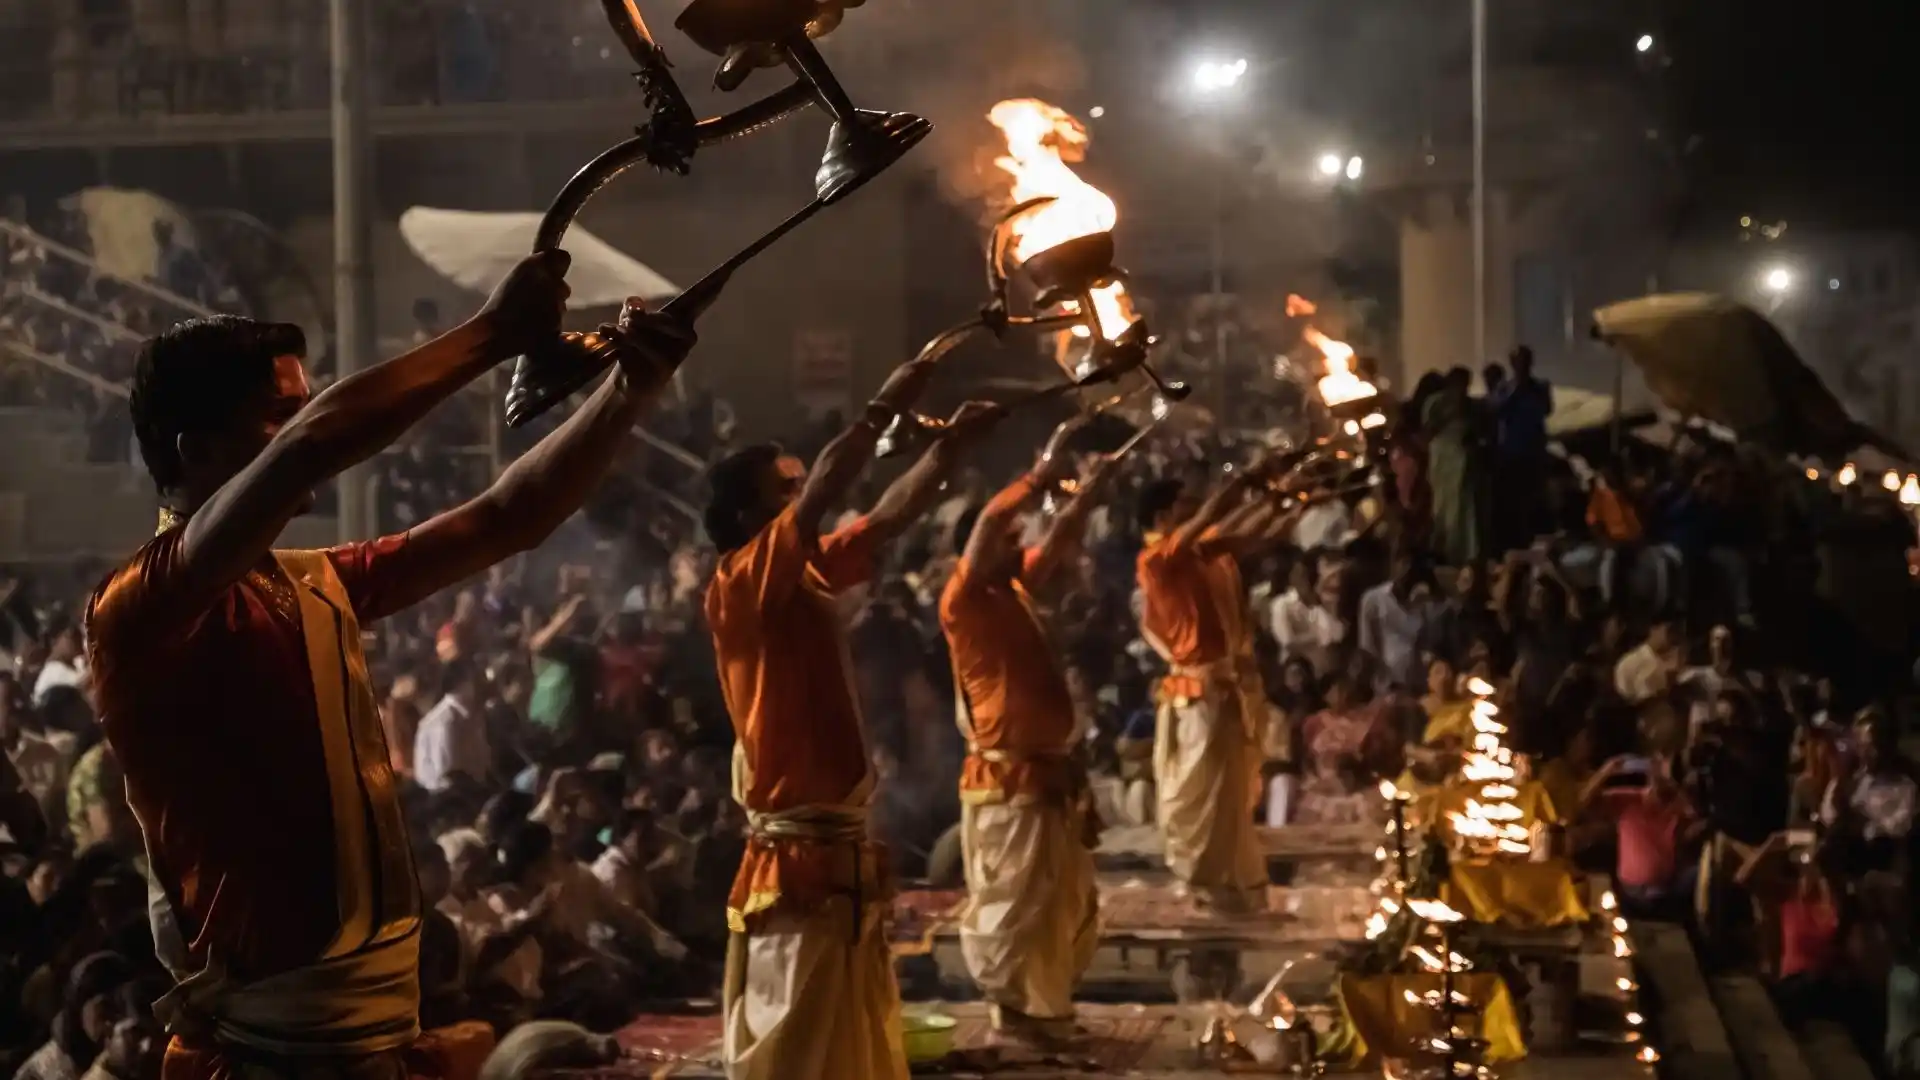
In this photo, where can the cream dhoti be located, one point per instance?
(810, 992)
(1205, 765)
(1032, 919)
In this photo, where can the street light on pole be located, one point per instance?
(1479, 204)
(1214, 81)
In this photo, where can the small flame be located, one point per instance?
(1435, 911)
(1847, 475)
(1910, 491)
(1647, 1056)
(1041, 140)
(1299, 306)
(1340, 385)
(1479, 687)
(1813, 473)
(1891, 481)
(1635, 1019)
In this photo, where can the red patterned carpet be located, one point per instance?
(1155, 909)
(1117, 1039)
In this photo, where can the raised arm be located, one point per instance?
(909, 498)
(1069, 528)
(549, 483)
(1223, 500)
(358, 417)
(994, 538)
(839, 466)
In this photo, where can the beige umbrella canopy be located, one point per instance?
(1706, 356)
(475, 250)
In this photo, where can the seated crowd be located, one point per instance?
(1711, 728)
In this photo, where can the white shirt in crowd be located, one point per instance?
(1327, 524)
(1704, 685)
(1310, 631)
(1884, 803)
(479, 919)
(55, 674)
(1390, 632)
(43, 762)
(451, 738)
(1642, 675)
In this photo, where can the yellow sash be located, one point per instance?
(362, 994)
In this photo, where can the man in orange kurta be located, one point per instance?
(1032, 918)
(810, 992)
(1206, 740)
(234, 693)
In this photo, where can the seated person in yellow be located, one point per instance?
(1448, 732)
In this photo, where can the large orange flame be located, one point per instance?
(1041, 140)
(1341, 384)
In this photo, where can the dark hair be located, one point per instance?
(457, 673)
(963, 527)
(193, 378)
(523, 848)
(733, 486)
(634, 821)
(1156, 499)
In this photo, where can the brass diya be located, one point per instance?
(1106, 362)
(746, 34)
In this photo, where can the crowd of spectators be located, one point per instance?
(72, 61)
(1713, 711)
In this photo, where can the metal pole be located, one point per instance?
(354, 339)
(1220, 297)
(1479, 182)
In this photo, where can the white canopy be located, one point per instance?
(475, 249)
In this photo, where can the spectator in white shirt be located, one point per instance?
(1648, 670)
(452, 736)
(43, 759)
(1326, 524)
(1304, 625)
(1392, 616)
(66, 663)
(1721, 674)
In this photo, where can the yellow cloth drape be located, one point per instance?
(1515, 894)
(1382, 1020)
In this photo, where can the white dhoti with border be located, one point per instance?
(806, 1000)
(1206, 768)
(1032, 920)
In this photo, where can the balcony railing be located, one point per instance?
(272, 56)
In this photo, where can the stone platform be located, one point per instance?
(1145, 1042)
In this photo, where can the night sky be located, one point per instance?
(1807, 111)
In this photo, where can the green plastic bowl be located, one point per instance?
(927, 1037)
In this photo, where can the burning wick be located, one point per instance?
(1041, 140)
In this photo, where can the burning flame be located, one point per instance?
(1490, 821)
(1340, 385)
(1041, 140)
(1847, 475)
(1910, 491)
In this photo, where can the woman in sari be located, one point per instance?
(1342, 747)
(1295, 698)
(1456, 471)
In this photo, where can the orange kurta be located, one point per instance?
(209, 706)
(1016, 700)
(786, 675)
(1192, 610)
(255, 764)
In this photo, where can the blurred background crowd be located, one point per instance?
(1701, 649)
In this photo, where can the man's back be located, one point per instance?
(211, 710)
